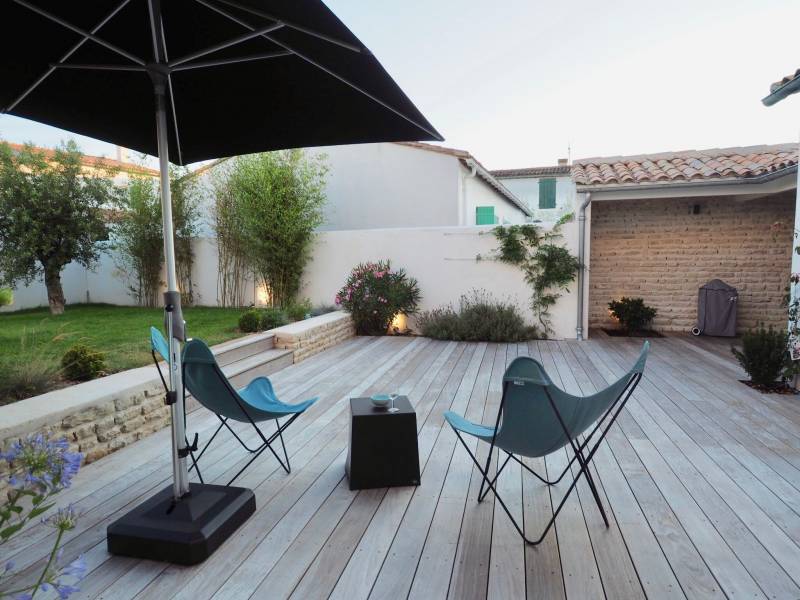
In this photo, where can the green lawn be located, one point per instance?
(34, 337)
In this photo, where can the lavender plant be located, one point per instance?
(39, 468)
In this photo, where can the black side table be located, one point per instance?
(383, 448)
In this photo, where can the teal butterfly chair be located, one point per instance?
(255, 403)
(536, 418)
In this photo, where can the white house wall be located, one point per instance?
(527, 190)
(389, 185)
(476, 192)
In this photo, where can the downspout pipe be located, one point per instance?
(587, 199)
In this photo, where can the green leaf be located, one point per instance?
(9, 531)
(40, 510)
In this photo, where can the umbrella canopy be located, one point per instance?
(243, 76)
(225, 77)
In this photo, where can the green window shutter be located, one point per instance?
(484, 215)
(547, 193)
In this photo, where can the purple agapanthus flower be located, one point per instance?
(41, 463)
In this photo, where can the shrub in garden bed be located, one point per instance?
(272, 318)
(765, 357)
(298, 310)
(374, 293)
(479, 318)
(254, 319)
(633, 314)
(250, 321)
(81, 363)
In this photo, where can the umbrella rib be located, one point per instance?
(230, 61)
(321, 67)
(95, 67)
(156, 40)
(69, 53)
(169, 87)
(174, 118)
(86, 34)
(294, 26)
(254, 33)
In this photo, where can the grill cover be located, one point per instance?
(716, 309)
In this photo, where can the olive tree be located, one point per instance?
(51, 214)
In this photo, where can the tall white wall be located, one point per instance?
(442, 259)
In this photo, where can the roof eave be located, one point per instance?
(492, 181)
(789, 88)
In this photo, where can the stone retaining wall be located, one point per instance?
(310, 337)
(101, 416)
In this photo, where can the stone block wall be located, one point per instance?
(307, 338)
(661, 251)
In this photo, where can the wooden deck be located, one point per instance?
(702, 476)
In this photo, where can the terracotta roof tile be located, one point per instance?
(100, 162)
(686, 165)
(533, 171)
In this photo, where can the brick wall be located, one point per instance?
(660, 251)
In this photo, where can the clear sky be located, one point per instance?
(517, 82)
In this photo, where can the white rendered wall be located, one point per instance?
(442, 259)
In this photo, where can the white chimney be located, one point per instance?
(123, 154)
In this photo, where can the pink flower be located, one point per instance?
(380, 274)
(337, 299)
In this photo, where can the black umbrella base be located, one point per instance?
(186, 532)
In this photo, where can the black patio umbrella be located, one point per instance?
(221, 78)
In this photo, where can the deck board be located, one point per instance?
(700, 479)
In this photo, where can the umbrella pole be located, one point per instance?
(172, 307)
(174, 525)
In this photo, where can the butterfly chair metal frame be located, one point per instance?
(256, 403)
(266, 442)
(168, 398)
(579, 453)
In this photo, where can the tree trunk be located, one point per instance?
(55, 294)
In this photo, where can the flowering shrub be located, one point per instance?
(374, 293)
(39, 468)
